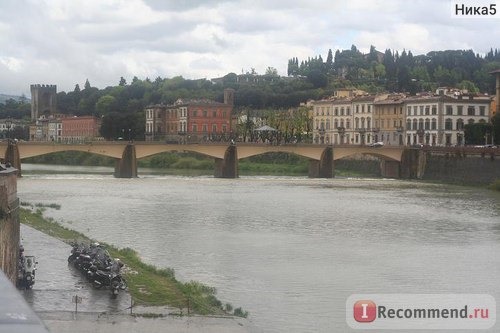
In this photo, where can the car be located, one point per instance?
(376, 144)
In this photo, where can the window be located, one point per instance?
(363, 108)
(342, 111)
(205, 128)
(482, 109)
(434, 110)
(460, 124)
(408, 125)
(369, 108)
(460, 110)
(415, 110)
(214, 114)
(205, 113)
(356, 122)
(427, 110)
(449, 110)
(195, 128)
(348, 111)
(427, 124)
(357, 108)
(328, 124)
(195, 113)
(471, 110)
(448, 124)
(434, 124)
(214, 128)
(408, 110)
(470, 121)
(336, 123)
(224, 128)
(336, 111)
(347, 123)
(420, 124)
(421, 110)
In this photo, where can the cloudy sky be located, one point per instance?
(64, 42)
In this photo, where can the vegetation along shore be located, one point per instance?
(147, 284)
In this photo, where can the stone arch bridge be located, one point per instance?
(396, 161)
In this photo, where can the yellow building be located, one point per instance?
(388, 119)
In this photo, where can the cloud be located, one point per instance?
(65, 42)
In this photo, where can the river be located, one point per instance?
(288, 250)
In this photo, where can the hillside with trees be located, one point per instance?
(122, 106)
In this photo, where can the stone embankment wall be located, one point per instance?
(470, 170)
(9, 222)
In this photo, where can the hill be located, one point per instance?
(4, 98)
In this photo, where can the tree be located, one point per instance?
(271, 71)
(477, 133)
(123, 82)
(105, 105)
(469, 86)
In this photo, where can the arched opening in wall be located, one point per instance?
(69, 162)
(358, 165)
(274, 163)
(177, 163)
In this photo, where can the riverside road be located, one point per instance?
(57, 283)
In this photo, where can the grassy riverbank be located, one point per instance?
(148, 285)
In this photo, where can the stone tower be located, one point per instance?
(43, 100)
(229, 96)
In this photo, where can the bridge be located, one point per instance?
(396, 161)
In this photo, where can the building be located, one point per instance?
(79, 129)
(395, 119)
(9, 226)
(388, 119)
(343, 120)
(191, 120)
(362, 108)
(440, 119)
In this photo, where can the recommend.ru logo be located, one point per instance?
(421, 311)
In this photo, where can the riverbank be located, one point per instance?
(147, 284)
(57, 283)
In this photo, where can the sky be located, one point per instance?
(66, 42)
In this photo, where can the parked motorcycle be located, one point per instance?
(98, 266)
(26, 272)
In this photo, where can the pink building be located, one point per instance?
(80, 129)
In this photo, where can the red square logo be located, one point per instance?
(365, 311)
